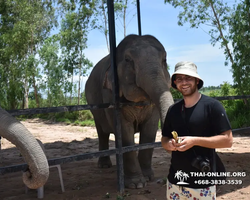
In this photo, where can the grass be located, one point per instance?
(79, 118)
(84, 123)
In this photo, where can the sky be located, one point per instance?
(181, 42)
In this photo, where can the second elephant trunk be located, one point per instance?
(38, 168)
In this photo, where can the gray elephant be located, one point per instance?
(38, 169)
(143, 77)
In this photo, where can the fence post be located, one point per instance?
(139, 17)
(115, 84)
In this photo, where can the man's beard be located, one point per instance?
(190, 91)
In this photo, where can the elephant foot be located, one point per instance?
(137, 182)
(104, 162)
(148, 174)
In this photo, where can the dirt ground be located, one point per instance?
(83, 180)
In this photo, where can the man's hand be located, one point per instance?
(168, 143)
(186, 143)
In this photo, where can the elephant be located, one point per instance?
(37, 173)
(142, 77)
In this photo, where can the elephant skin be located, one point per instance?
(38, 169)
(143, 77)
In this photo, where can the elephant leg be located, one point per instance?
(133, 177)
(147, 135)
(103, 162)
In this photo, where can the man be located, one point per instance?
(202, 126)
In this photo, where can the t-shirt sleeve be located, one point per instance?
(166, 130)
(220, 119)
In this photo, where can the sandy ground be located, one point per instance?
(83, 180)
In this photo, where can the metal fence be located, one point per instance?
(119, 150)
(84, 156)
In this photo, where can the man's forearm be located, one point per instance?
(224, 140)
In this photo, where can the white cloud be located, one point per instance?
(196, 53)
(209, 60)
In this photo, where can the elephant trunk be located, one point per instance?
(165, 100)
(38, 170)
(156, 84)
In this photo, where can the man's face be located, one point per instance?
(187, 85)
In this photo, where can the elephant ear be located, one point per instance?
(107, 82)
(108, 78)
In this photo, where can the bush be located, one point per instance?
(238, 114)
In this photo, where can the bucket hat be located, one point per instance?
(186, 68)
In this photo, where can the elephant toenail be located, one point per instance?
(132, 186)
(140, 185)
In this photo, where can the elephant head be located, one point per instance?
(142, 72)
(38, 170)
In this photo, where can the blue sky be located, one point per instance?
(181, 42)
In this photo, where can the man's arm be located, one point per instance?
(223, 140)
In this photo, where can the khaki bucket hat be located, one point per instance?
(186, 68)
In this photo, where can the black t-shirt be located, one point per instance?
(206, 118)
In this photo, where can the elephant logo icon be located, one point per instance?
(181, 176)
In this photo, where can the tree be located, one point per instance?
(24, 26)
(121, 13)
(123, 8)
(53, 79)
(240, 37)
(73, 41)
(213, 13)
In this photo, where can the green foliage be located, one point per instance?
(224, 89)
(239, 35)
(85, 123)
(207, 89)
(176, 94)
(119, 197)
(81, 118)
(227, 90)
(73, 40)
(33, 60)
(214, 93)
(53, 83)
(238, 113)
(23, 26)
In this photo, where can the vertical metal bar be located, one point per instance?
(117, 117)
(139, 17)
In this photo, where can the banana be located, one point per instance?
(175, 136)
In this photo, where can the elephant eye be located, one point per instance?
(128, 59)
